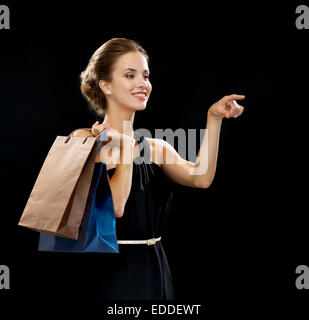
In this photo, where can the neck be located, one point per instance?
(120, 119)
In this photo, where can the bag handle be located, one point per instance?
(70, 135)
(102, 135)
(89, 129)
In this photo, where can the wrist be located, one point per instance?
(213, 116)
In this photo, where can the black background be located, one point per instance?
(233, 247)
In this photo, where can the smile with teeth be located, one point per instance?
(139, 94)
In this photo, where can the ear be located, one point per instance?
(105, 87)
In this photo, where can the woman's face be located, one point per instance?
(130, 86)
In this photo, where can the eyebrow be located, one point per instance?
(134, 70)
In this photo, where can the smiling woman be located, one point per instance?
(100, 69)
(116, 84)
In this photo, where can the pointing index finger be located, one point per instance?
(235, 97)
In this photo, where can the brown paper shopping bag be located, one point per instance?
(57, 201)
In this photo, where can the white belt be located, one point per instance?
(148, 242)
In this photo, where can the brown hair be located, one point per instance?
(100, 67)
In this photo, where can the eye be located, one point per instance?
(130, 76)
(146, 76)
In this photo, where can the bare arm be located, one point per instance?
(201, 173)
(121, 181)
(206, 168)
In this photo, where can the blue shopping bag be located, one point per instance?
(97, 232)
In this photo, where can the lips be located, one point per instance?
(141, 95)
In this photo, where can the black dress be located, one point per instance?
(139, 271)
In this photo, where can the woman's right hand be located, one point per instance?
(97, 128)
(113, 137)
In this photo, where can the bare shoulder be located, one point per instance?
(165, 152)
(154, 141)
(156, 146)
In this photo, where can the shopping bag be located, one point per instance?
(57, 201)
(98, 228)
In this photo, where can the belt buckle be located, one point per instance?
(151, 241)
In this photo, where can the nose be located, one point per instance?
(141, 83)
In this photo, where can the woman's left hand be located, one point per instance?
(227, 107)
